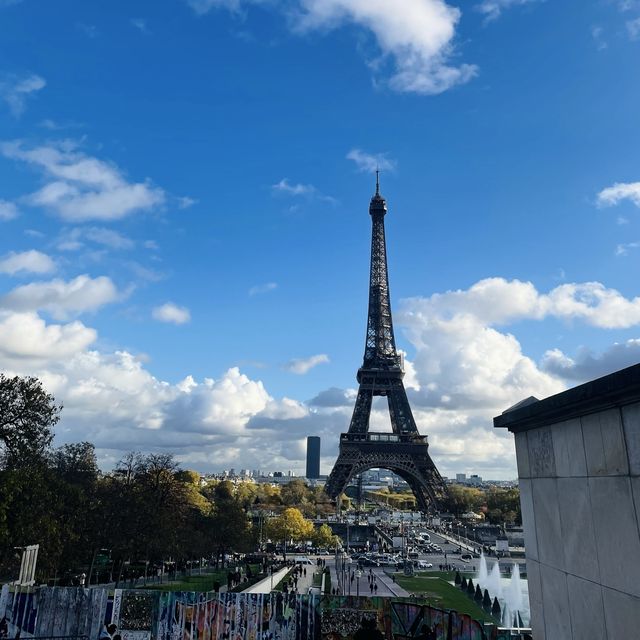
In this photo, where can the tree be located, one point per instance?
(76, 463)
(461, 499)
(503, 505)
(27, 417)
(228, 527)
(291, 525)
(324, 538)
(295, 493)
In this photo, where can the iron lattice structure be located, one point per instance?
(404, 451)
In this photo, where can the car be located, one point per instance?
(367, 562)
(423, 564)
(466, 557)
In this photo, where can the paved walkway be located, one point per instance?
(266, 585)
(386, 586)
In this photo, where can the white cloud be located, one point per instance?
(618, 192)
(27, 261)
(596, 34)
(628, 5)
(298, 189)
(623, 249)
(493, 8)
(334, 397)
(204, 6)
(141, 25)
(8, 210)
(52, 125)
(587, 365)
(184, 202)
(89, 30)
(464, 365)
(633, 28)
(496, 301)
(415, 39)
(369, 163)
(74, 239)
(25, 336)
(15, 91)
(82, 187)
(172, 313)
(263, 288)
(300, 366)
(61, 298)
(284, 186)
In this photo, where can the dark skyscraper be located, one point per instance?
(313, 457)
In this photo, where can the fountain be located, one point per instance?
(509, 591)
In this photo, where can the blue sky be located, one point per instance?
(184, 237)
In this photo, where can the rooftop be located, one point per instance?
(616, 389)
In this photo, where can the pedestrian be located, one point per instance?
(375, 587)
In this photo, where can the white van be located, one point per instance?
(302, 560)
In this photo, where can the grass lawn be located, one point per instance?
(193, 583)
(285, 578)
(434, 587)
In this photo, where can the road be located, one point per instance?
(386, 586)
(450, 555)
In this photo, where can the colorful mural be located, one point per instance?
(154, 615)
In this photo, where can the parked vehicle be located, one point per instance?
(368, 562)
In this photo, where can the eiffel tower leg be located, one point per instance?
(361, 411)
(399, 410)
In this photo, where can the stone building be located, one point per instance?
(578, 455)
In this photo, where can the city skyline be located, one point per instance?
(184, 235)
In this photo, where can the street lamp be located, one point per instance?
(343, 571)
(358, 576)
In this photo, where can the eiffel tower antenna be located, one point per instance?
(404, 451)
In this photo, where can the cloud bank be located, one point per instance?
(465, 368)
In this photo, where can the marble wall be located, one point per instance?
(580, 495)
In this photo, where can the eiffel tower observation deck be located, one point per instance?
(404, 451)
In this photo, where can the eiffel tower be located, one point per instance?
(404, 451)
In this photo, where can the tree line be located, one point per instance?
(146, 511)
(499, 505)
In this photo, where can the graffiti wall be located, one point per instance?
(154, 615)
(392, 619)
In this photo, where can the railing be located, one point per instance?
(383, 437)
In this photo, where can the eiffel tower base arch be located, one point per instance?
(409, 459)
